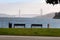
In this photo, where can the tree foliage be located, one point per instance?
(53, 1)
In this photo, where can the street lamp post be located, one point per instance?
(41, 12)
(19, 12)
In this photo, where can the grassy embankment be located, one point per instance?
(30, 32)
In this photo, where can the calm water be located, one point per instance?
(54, 23)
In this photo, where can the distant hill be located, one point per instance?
(51, 15)
(5, 15)
(57, 15)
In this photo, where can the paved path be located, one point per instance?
(28, 38)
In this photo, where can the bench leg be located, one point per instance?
(31, 26)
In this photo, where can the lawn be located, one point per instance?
(30, 31)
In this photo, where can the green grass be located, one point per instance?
(30, 32)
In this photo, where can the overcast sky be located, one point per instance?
(28, 8)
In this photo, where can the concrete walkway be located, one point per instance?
(3, 37)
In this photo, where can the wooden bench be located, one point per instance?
(37, 25)
(19, 25)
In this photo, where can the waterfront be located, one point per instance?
(54, 23)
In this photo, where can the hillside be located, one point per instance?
(5, 15)
(50, 15)
(57, 15)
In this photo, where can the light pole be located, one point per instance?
(41, 12)
(19, 13)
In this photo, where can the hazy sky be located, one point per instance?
(22, 1)
(28, 8)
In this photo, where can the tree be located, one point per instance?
(57, 15)
(53, 2)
